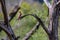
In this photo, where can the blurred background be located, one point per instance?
(21, 27)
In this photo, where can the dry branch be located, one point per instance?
(8, 31)
(6, 26)
(3, 6)
(48, 3)
(14, 12)
(40, 23)
(39, 20)
(54, 16)
(31, 32)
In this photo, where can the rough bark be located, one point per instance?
(54, 15)
(6, 25)
(53, 18)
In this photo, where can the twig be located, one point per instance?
(31, 32)
(14, 12)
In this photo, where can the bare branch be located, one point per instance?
(48, 3)
(57, 4)
(3, 5)
(31, 32)
(6, 26)
(39, 20)
(3, 27)
(20, 2)
(8, 31)
(14, 12)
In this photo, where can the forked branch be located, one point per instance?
(48, 3)
(6, 26)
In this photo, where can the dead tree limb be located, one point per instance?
(53, 20)
(6, 24)
(31, 32)
(55, 16)
(14, 12)
(4, 11)
(28, 35)
(8, 32)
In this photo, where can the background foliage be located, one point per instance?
(27, 23)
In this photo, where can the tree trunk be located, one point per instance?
(54, 32)
(54, 15)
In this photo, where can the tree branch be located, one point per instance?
(57, 4)
(31, 32)
(39, 20)
(6, 26)
(14, 12)
(8, 31)
(48, 3)
(3, 5)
